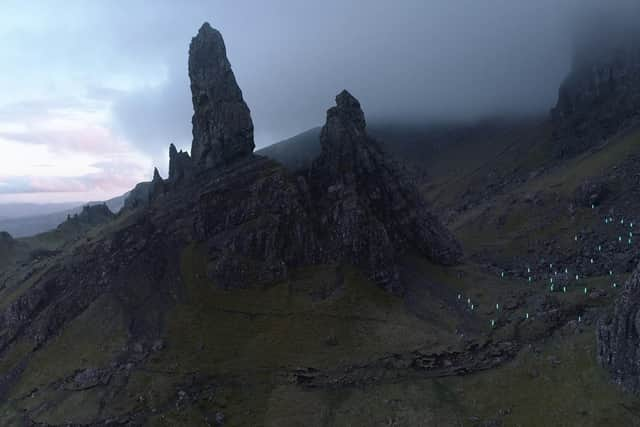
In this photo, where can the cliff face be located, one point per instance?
(599, 98)
(619, 337)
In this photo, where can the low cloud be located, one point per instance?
(106, 81)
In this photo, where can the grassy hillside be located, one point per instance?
(467, 345)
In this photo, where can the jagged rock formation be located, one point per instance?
(222, 125)
(180, 165)
(370, 211)
(239, 219)
(91, 215)
(158, 186)
(255, 223)
(258, 221)
(619, 337)
(599, 98)
(253, 220)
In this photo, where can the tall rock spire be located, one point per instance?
(222, 126)
(371, 211)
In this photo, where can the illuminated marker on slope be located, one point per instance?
(585, 291)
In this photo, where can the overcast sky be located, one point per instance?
(93, 92)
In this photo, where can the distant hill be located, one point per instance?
(296, 152)
(30, 225)
(426, 145)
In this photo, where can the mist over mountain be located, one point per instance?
(410, 61)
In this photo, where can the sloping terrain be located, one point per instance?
(326, 347)
(237, 292)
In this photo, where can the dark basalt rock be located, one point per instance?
(158, 186)
(257, 220)
(619, 337)
(252, 219)
(370, 210)
(248, 221)
(599, 98)
(222, 126)
(255, 224)
(180, 165)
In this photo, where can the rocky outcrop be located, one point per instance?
(180, 165)
(90, 215)
(619, 337)
(257, 221)
(599, 98)
(222, 126)
(370, 210)
(241, 220)
(255, 224)
(158, 186)
(137, 197)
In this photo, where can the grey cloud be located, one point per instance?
(407, 60)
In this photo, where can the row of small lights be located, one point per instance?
(607, 220)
